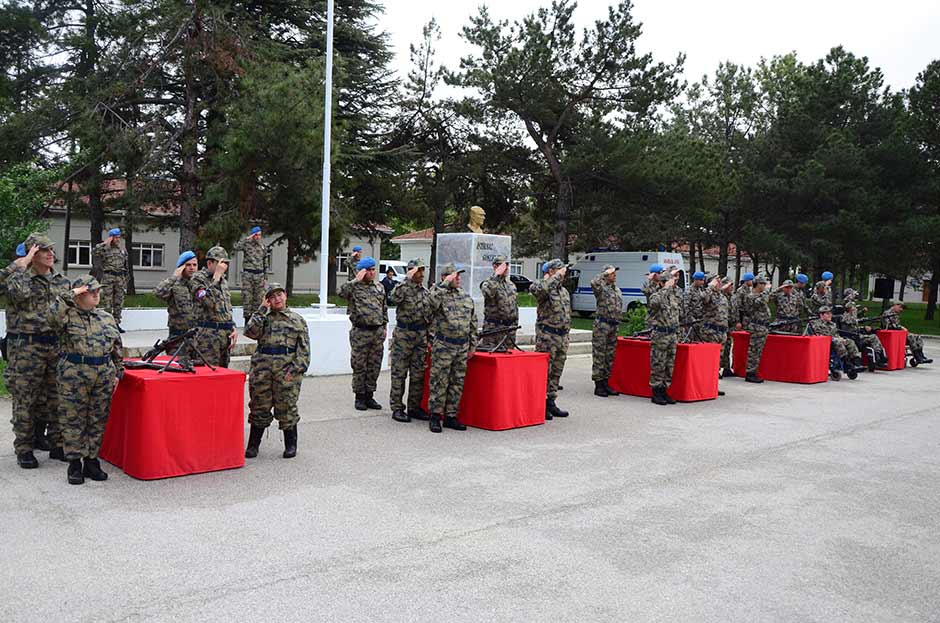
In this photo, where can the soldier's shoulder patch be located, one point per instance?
(200, 294)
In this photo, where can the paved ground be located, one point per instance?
(776, 503)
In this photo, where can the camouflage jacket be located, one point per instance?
(716, 307)
(500, 302)
(411, 303)
(284, 328)
(648, 288)
(365, 303)
(609, 299)
(92, 333)
(554, 302)
(452, 313)
(211, 299)
(30, 297)
(253, 252)
(891, 320)
(799, 300)
(818, 300)
(739, 304)
(692, 303)
(665, 308)
(179, 302)
(107, 258)
(819, 326)
(788, 305)
(757, 312)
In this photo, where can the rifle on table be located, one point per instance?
(172, 346)
(645, 333)
(499, 346)
(775, 326)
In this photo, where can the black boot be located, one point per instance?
(669, 399)
(254, 441)
(400, 416)
(290, 442)
(600, 389)
(548, 412)
(659, 396)
(859, 366)
(919, 353)
(556, 412)
(371, 403)
(75, 472)
(434, 424)
(361, 402)
(610, 390)
(726, 373)
(57, 453)
(753, 378)
(40, 441)
(451, 421)
(26, 460)
(120, 330)
(93, 470)
(418, 414)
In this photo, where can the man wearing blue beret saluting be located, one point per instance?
(179, 300)
(354, 258)
(109, 260)
(650, 286)
(368, 313)
(254, 258)
(692, 305)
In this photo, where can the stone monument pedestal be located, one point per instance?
(474, 253)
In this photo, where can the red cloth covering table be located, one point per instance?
(894, 342)
(172, 424)
(694, 375)
(501, 390)
(786, 358)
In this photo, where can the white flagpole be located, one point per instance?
(327, 123)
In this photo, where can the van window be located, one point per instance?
(681, 281)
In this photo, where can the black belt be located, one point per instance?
(175, 332)
(759, 323)
(457, 341)
(89, 361)
(715, 327)
(612, 321)
(502, 323)
(371, 327)
(412, 326)
(276, 350)
(228, 326)
(253, 271)
(34, 338)
(554, 330)
(779, 317)
(666, 330)
(116, 273)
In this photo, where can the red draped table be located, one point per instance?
(786, 358)
(894, 342)
(501, 390)
(172, 424)
(694, 375)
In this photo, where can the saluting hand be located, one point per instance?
(178, 272)
(411, 272)
(360, 275)
(232, 338)
(219, 271)
(24, 261)
(501, 270)
(79, 290)
(450, 278)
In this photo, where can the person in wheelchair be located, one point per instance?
(844, 348)
(863, 335)
(892, 321)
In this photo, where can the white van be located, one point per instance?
(633, 268)
(400, 269)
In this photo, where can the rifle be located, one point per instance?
(172, 345)
(498, 347)
(646, 332)
(868, 319)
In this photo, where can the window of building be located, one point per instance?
(147, 255)
(79, 253)
(342, 263)
(515, 268)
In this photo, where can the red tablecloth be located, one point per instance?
(172, 424)
(894, 342)
(501, 390)
(694, 375)
(786, 358)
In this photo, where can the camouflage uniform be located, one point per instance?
(818, 300)
(893, 321)
(212, 313)
(454, 326)
(606, 324)
(789, 307)
(33, 353)
(757, 317)
(368, 314)
(254, 254)
(739, 306)
(500, 310)
(799, 302)
(715, 315)
(692, 312)
(648, 288)
(553, 322)
(868, 340)
(409, 343)
(664, 311)
(111, 263)
(179, 303)
(844, 347)
(283, 346)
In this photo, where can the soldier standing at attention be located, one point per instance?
(604, 332)
(789, 306)
(32, 286)
(175, 291)
(368, 313)
(277, 369)
(844, 347)
(212, 309)
(553, 322)
(254, 256)
(757, 318)
(739, 301)
(353, 261)
(500, 304)
(664, 310)
(110, 260)
(892, 321)
(409, 343)
(454, 326)
(89, 368)
(692, 305)
(716, 312)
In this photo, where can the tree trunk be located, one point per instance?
(691, 256)
(562, 218)
(934, 286)
(701, 254)
(784, 270)
(331, 275)
(438, 228)
(723, 258)
(903, 286)
(291, 254)
(96, 210)
(128, 234)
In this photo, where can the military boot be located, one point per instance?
(93, 470)
(40, 441)
(753, 378)
(57, 453)
(600, 389)
(371, 403)
(669, 399)
(659, 396)
(75, 472)
(434, 423)
(919, 353)
(555, 411)
(400, 416)
(254, 441)
(418, 414)
(451, 421)
(610, 390)
(548, 412)
(290, 442)
(361, 402)
(26, 460)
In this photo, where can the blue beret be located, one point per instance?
(698, 275)
(21, 250)
(747, 277)
(357, 248)
(826, 275)
(656, 268)
(255, 230)
(545, 267)
(114, 232)
(185, 256)
(366, 262)
(802, 278)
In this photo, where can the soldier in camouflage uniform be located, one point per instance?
(254, 255)
(892, 321)
(789, 306)
(649, 287)
(88, 370)
(409, 343)
(739, 302)
(607, 317)
(352, 262)
(110, 262)
(32, 285)
(799, 293)
(691, 314)
(277, 369)
(716, 312)
(500, 305)
(553, 323)
(844, 347)
(179, 299)
(822, 297)
(212, 309)
(865, 336)
(368, 313)
(757, 321)
(454, 326)
(664, 310)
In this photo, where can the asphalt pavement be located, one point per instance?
(776, 503)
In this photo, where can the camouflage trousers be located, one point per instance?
(112, 295)
(490, 341)
(726, 353)
(557, 348)
(755, 349)
(845, 348)
(603, 348)
(367, 347)
(871, 341)
(31, 378)
(408, 355)
(252, 294)
(213, 344)
(713, 336)
(915, 342)
(268, 390)
(662, 358)
(84, 406)
(448, 369)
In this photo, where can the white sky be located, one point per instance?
(900, 37)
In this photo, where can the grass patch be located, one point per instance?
(3, 385)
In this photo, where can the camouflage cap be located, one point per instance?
(87, 280)
(272, 288)
(849, 293)
(899, 303)
(500, 259)
(610, 267)
(850, 304)
(218, 254)
(41, 240)
(553, 264)
(450, 269)
(821, 284)
(727, 281)
(825, 309)
(787, 284)
(760, 279)
(416, 263)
